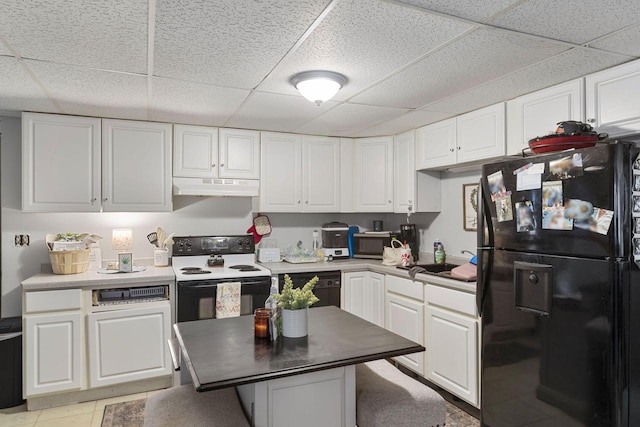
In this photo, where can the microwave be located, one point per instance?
(371, 245)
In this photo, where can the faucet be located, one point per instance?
(467, 252)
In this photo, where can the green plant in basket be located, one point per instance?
(296, 298)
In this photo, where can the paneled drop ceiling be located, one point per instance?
(228, 62)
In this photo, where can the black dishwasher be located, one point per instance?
(327, 289)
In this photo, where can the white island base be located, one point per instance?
(318, 399)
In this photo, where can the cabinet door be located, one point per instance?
(404, 173)
(373, 304)
(53, 353)
(538, 113)
(320, 174)
(481, 134)
(281, 172)
(128, 345)
(373, 178)
(60, 163)
(353, 286)
(136, 164)
(195, 151)
(239, 154)
(406, 318)
(612, 100)
(436, 145)
(346, 175)
(452, 348)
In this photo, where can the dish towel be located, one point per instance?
(228, 300)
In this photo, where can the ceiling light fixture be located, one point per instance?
(318, 86)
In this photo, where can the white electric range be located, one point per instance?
(202, 262)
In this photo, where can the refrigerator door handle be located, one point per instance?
(484, 275)
(485, 226)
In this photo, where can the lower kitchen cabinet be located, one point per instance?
(128, 345)
(364, 296)
(452, 342)
(404, 315)
(52, 352)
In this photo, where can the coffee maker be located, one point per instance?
(409, 234)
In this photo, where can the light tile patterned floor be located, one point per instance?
(88, 414)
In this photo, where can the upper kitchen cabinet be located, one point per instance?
(195, 151)
(412, 191)
(280, 172)
(481, 134)
(612, 100)
(373, 174)
(436, 145)
(320, 174)
(538, 113)
(136, 163)
(346, 175)
(60, 163)
(239, 154)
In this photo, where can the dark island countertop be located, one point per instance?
(222, 353)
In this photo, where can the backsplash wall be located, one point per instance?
(191, 215)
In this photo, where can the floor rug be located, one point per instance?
(125, 414)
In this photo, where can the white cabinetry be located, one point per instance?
(404, 315)
(538, 113)
(346, 175)
(52, 341)
(60, 163)
(128, 345)
(136, 165)
(239, 154)
(299, 173)
(363, 295)
(612, 100)
(320, 174)
(452, 342)
(373, 174)
(195, 151)
(481, 134)
(436, 145)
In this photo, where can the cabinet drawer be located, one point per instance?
(406, 287)
(453, 300)
(63, 299)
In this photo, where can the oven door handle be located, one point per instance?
(191, 285)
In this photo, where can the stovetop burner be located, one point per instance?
(194, 270)
(243, 267)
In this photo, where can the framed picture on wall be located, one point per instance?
(470, 206)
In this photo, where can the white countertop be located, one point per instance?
(352, 264)
(92, 278)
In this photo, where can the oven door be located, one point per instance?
(197, 298)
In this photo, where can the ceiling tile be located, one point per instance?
(89, 92)
(271, 111)
(94, 33)
(4, 50)
(564, 67)
(193, 103)
(475, 10)
(473, 59)
(572, 21)
(365, 40)
(232, 43)
(346, 119)
(409, 121)
(19, 92)
(626, 42)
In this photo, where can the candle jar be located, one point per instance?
(261, 322)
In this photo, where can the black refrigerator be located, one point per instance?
(559, 289)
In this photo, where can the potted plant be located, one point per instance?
(295, 304)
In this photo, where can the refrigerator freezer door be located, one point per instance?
(597, 193)
(552, 365)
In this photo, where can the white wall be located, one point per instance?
(191, 215)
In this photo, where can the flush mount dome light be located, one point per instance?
(318, 86)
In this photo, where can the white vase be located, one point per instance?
(294, 323)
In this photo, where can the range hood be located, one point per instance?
(216, 187)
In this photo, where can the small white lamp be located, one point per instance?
(122, 239)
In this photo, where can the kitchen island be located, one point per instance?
(287, 382)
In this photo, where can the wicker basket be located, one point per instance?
(69, 262)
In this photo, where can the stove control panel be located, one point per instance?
(213, 245)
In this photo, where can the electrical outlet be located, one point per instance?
(17, 240)
(21, 240)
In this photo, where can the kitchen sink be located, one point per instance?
(443, 270)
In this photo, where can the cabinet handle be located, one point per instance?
(459, 148)
(213, 165)
(306, 202)
(105, 199)
(591, 120)
(221, 165)
(451, 149)
(93, 200)
(389, 201)
(298, 201)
